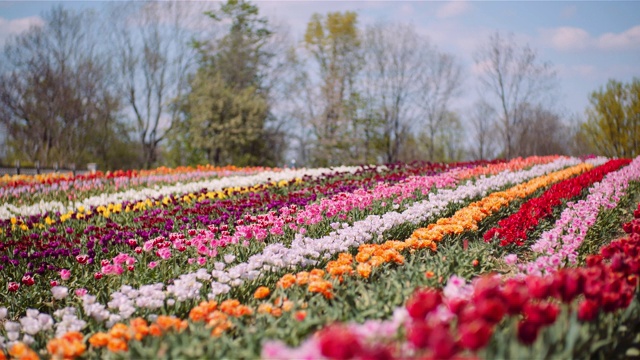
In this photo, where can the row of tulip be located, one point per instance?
(36, 278)
(83, 186)
(514, 229)
(68, 177)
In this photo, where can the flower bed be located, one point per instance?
(202, 270)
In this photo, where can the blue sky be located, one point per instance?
(587, 42)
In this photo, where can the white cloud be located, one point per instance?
(625, 40)
(572, 39)
(569, 38)
(453, 8)
(16, 26)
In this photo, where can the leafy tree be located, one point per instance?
(446, 142)
(227, 110)
(226, 124)
(335, 45)
(613, 119)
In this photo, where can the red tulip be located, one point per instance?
(539, 287)
(476, 334)
(587, 310)
(13, 286)
(593, 260)
(515, 294)
(28, 280)
(442, 343)
(542, 313)
(422, 302)
(569, 284)
(82, 259)
(491, 309)
(527, 332)
(337, 342)
(418, 334)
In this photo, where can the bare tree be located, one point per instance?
(542, 133)
(512, 75)
(297, 108)
(151, 47)
(394, 60)
(439, 85)
(482, 143)
(55, 95)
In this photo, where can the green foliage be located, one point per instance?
(613, 125)
(227, 111)
(225, 124)
(340, 131)
(446, 142)
(239, 56)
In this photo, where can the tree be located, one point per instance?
(512, 75)
(227, 109)
(334, 43)
(439, 84)
(394, 56)
(226, 123)
(542, 133)
(482, 145)
(150, 47)
(446, 146)
(579, 144)
(57, 103)
(613, 119)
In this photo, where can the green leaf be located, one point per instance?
(598, 344)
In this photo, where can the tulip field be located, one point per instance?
(533, 257)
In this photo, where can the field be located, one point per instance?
(528, 258)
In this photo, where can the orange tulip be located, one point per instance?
(286, 281)
(117, 345)
(99, 339)
(262, 292)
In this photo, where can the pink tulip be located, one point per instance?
(65, 274)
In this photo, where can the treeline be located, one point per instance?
(172, 83)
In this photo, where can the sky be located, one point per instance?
(587, 42)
